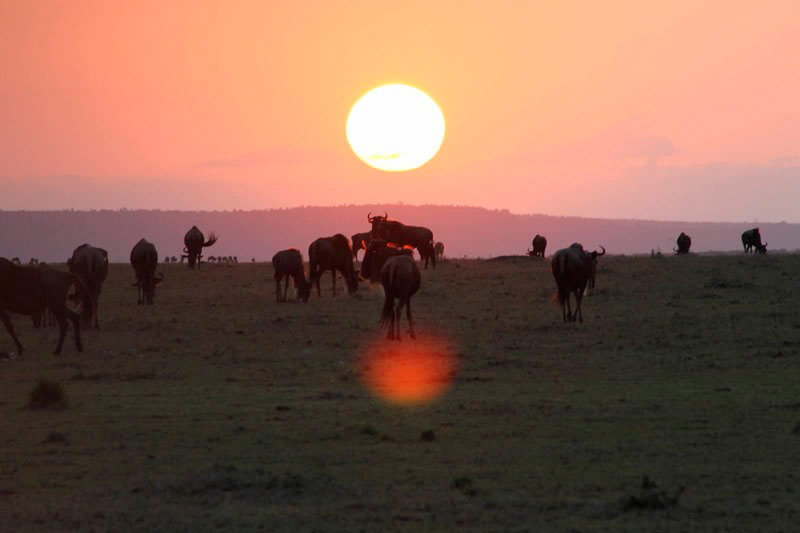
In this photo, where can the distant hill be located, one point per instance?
(466, 231)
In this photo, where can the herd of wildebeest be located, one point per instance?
(42, 291)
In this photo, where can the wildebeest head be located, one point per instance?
(593, 265)
(377, 222)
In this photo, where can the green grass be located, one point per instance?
(220, 408)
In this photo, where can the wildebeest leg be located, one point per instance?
(277, 288)
(578, 301)
(7, 323)
(333, 272)
(62, 332)
(566, 309)
(410, 321)
(76, 327)
(286, 287)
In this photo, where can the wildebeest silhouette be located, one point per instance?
(332, 253)
(289, 264)
(376, 255)
(33, 291)
(144, 259)
(684, 243)
(438, 249)
(401, 279)
(90, 265)
(392, 231)
(574, 269)
(194, 242)
(538, 244)
(751, 239)
(360, 242)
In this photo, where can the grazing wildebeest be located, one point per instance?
(438, 249)
(212, 259)
(90, 265)
(574, 269)
(33, 291)
(16, 261)
(684, 243)
(401, 279)
(289, 264)
(360, 242)
(194, 244)
(752, 239)
(332, 253)
(401, 235)
(235, 258)
(33, 262)
(376, 255)
(539, 243)
(144, 259)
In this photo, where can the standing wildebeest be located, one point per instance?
(332, 253)
(684, 243)
(438, 249)
(174, 259)
(193, 241)
(376, 255)
(401, 235)
(33, 291)
(90, 265)
(16, 261)
(360, 242)
(401, 279)
(144, 259)
(573, 270)
(289, 263)
(752, 239)
(539, 243)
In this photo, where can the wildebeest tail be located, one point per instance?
(388, 310)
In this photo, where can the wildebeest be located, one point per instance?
(289, 264)
(751, 239)
(90, 265)
(574, 269)
(144, 259)
(33, 291)
(16, 261)
(174, 259)
(332, 253)
(212, 259)
(376, 255)
(194, 243)
(684, 243)
(360, 242)
(33, 262)
(438, 249)
(398, 233)
(401, 279)
(539, 243)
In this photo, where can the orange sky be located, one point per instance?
(671, 110)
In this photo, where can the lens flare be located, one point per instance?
(411, 372)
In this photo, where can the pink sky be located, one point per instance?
(673, 110)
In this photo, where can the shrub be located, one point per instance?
(47, 395)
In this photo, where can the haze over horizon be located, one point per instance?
(657, 111)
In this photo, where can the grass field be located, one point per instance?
(674, 406)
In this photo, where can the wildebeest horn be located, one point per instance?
(604, 250)
(369, 218)
(385, 215)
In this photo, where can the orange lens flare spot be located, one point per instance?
(411, 372)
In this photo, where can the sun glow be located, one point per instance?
(412, 372)
(395, 127)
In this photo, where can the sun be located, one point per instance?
(395, 127)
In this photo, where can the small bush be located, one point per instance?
(47, 395)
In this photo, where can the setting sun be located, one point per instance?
(395, 127)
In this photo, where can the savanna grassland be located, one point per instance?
(674, 406)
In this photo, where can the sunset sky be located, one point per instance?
(662, 110)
